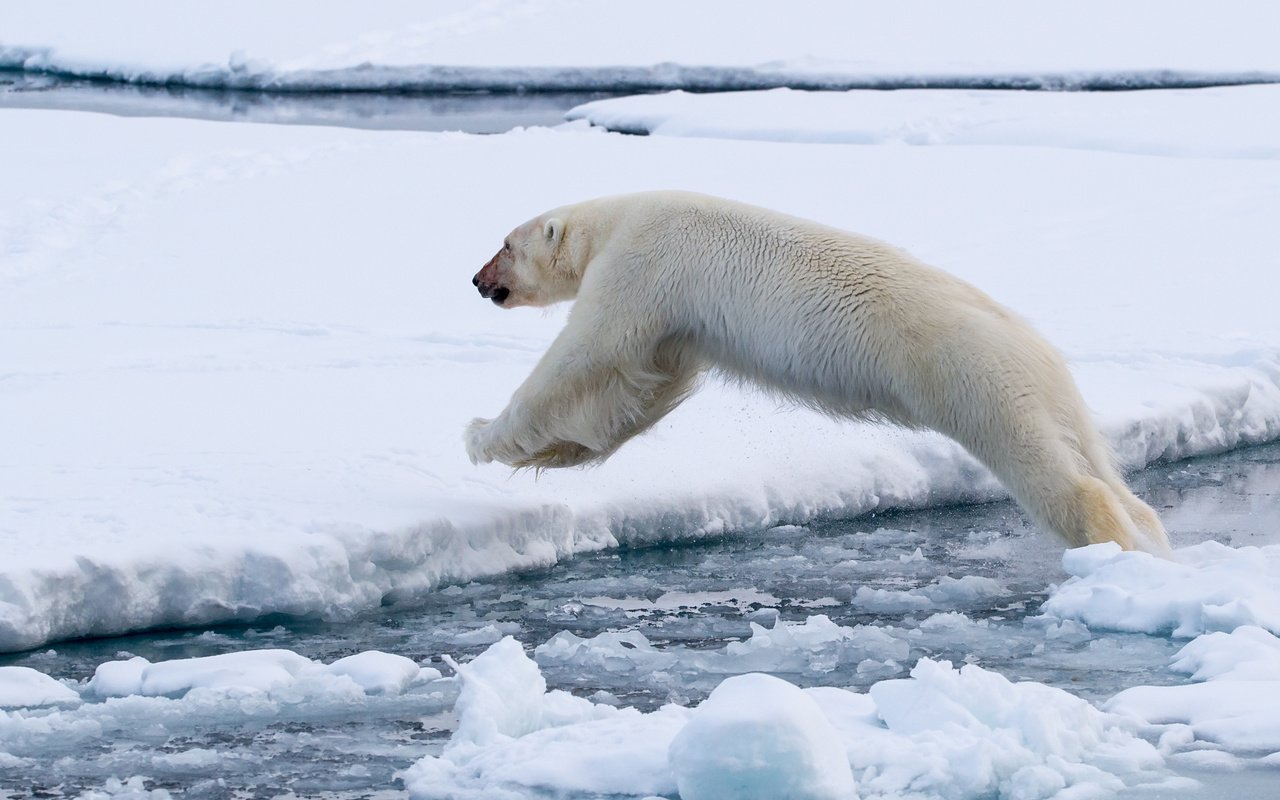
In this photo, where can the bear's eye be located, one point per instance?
(506, 247)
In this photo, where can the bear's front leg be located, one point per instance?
(489, 440)
(598, 385)
(477, 438)
(560, 454)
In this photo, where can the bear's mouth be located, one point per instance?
(492, 291)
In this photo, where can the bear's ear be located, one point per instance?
(553, 230)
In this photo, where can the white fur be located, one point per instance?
(669, 283)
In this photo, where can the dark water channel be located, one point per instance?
(477, 112)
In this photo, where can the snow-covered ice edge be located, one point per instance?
(97, 595)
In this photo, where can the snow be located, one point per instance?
(247, 353)
(570, 44)
(1229, 122)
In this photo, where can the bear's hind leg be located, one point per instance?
(1145, 520)
(1086, 512)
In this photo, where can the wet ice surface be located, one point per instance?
(842, 603)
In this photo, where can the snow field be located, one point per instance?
(571, 44)
(1228, 122)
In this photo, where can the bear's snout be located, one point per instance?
(491, 290)
(489, 282)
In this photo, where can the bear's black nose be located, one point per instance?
(476, 280)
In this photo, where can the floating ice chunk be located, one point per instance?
(132, 789)
(759, 737)
(624, 754)
(1248, 653)
(1238, 707)
(964, 733)
(945, 592)
(505, 696)
(249, 669)
(513, 735)
(1207, 587)
(370, 672)
(620, 652)
(382, 673)
(891, 601)
(488, 634)
(502, 694)
(675, 601)
(971, 732)
(815, 646)
(23, 687)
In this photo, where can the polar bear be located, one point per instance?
(669, 284)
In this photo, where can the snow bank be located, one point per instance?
(247, 352)
(1237, 706)
(1206, 587)
(662, 44)
(942, 732)
(1236, 122)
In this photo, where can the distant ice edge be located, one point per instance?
(249, 75)
(349, 569)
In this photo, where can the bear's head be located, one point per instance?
(532, 268)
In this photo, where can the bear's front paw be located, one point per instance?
(560, 454)
(477, 440)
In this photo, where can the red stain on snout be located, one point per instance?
(490, 281)
(488, 273)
